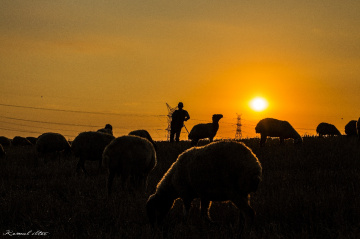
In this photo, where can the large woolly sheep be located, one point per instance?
(219, 171)
(327, 129)
(130, 157)
(4, 141)
(108, 129)
(276, 128)
(144, 134)
(20, 141)
(90, 146)
(203, 131)
(48, 144)
(350, 128)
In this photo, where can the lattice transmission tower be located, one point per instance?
(170, 112)
(238, 134)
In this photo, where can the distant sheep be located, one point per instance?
(350, 128)
(144, 134)
(2, 152)
(4, 141)
(270, 127)
(90, 146)
(50, 143)
(358, 128)
(32, 140)
(108, 129)
(219, 171)
(203, 131)
(20, 141)
(327, 129)
(130, 157)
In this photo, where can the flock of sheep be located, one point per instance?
(218, 171)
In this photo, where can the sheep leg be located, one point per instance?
(281, 140)
(263, 140)
(205, 209)
(81, 164)
(243, 204)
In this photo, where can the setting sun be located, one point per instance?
(258, 104)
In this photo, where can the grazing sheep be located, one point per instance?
(203, 131)
(276, 128)
(144, 134)
(49, 144)
(130, 157)
(358, 128)
(327, 129)
(32, 140)
(5, 141)
(107, 129)
(90, 146)
(219, 171)
(2, 152)
(20, 141)
(350, 128)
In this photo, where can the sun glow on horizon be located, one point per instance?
(258, 104)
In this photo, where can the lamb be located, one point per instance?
(144, 134)
(4, 141)
(350, 128)
(20, 141)
(276, 128)
(49, 144)
(107, 129)
(90, 146)
(327, 129)
(203, 131)
(219, 171)
(131, 157)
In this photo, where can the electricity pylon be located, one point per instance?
(238, 134)
(170, 112)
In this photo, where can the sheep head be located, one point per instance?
(157, 207)
(216, 117)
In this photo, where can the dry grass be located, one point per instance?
(307, 192)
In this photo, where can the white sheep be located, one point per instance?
(203, 131)
(107, 130)
(130, 157)
(276, 128)
(350, 128)
(90, 146)
(219, 171)
(48, 144)
(327, 129)
(144, 134)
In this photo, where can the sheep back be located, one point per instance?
(327, 129)
(52, 142)
(90, 145)
(4, 141)
(129, 155)
(144, 134)
(350, 128)
(202, 131)
(20, 141)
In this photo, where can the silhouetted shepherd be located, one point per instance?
(327, 129)
(350, 128)
(177, 122)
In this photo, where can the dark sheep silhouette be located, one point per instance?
(203, 131)
(327, 129)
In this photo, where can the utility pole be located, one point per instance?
(238, 134)
(170, 112)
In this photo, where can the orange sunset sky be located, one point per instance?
(124, 60)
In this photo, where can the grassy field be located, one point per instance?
(312, 191)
